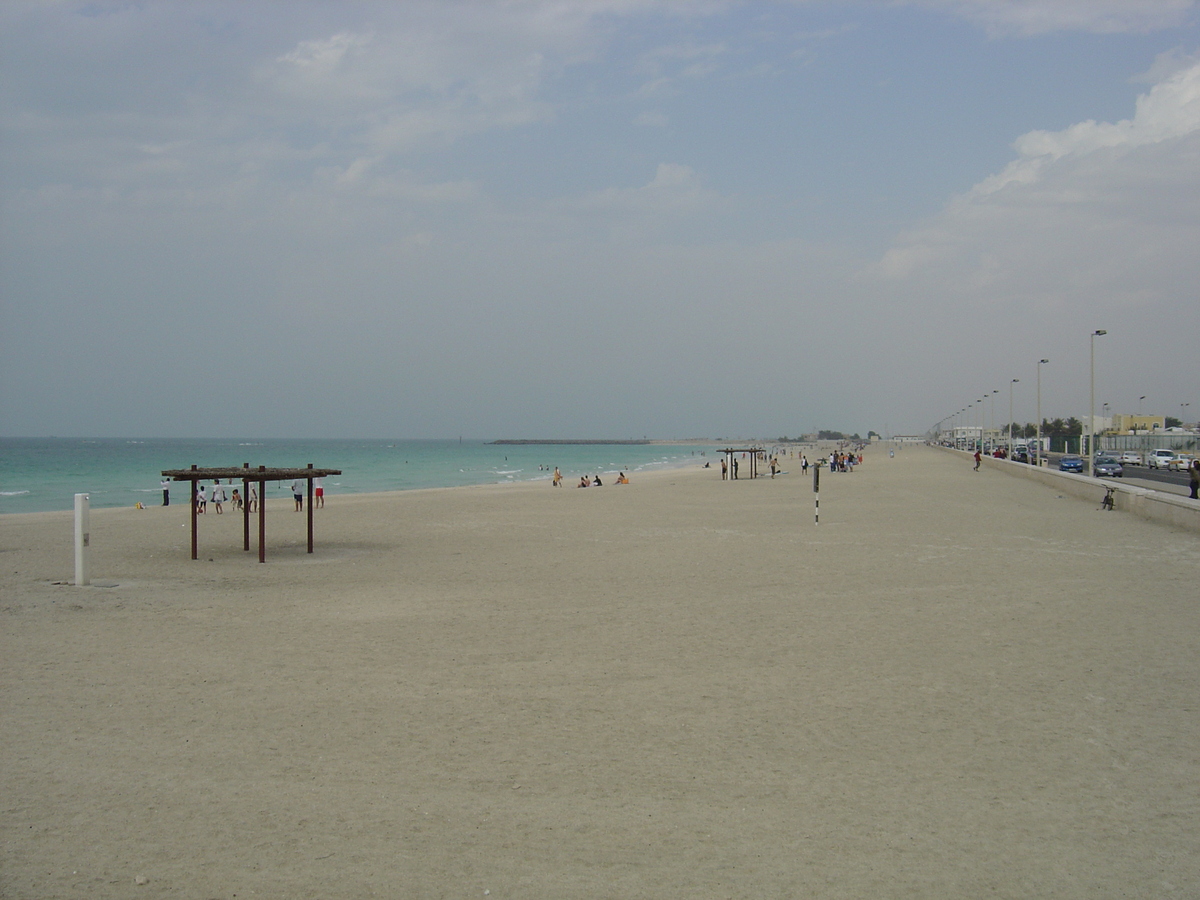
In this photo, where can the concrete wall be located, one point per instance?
(1157, 506)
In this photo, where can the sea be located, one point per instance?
(45, 474)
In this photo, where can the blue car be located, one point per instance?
(1071, 464)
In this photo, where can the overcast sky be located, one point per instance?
(595, 218)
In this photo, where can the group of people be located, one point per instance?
(729, 470)
(218, 496)
(622, 478)
(844, 462)
(299, 486)
(585, 481)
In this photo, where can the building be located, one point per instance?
(1138, 424)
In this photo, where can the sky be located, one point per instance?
(594, 219)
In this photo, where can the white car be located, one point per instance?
(1181, 463)
(1160, 459)
(1131, 458)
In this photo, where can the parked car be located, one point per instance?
(1159, 459)
(1107, 467)
(1131, 458)
(1182, 462)
(1071, 464)
(1020, 455)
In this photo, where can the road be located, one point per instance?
(1159, 479)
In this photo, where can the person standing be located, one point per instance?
(978, 460)
(298, 494)
(557, 480)
(201, 498)
(166, 486)
(218, 494)
(1194, 479)
(318, 492)
(724, 469)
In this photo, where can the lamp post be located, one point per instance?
(1182, 416)
(1092, 404)
(993, 411)
(1039, 411)
(1010, 414)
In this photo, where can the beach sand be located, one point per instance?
(958, 684)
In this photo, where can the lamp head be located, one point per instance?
(1040, 361)
(1099, 332)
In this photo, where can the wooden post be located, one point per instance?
(310, 514)
(262, 516)
(245, 509)
(193, 483)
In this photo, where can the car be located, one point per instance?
(1159, 459)
(1107, 467)
(1131, 458)
(1071, 464)
(1181, 463)
(1020, 455)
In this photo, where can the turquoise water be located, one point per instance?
(42, 474)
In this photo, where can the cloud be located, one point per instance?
(1033, 17)
(675, 189)
(1100, 213)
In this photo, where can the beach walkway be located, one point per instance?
(959, 684)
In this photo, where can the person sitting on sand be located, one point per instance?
(622, 479)
(583, 482)
(596, 482)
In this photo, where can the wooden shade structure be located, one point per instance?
(246, 475)
(731, 452)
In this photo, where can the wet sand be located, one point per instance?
(959, 684)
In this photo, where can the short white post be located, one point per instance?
(82, 539)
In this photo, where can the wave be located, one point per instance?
(12, 493)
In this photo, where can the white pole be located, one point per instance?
(82, 539)
(817, 494)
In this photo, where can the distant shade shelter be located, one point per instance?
(246, 475)
(732, 452)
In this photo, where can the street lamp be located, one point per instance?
(1182, 416)
(1010, 415)
(993, 411)
(1039, 411)
(1092, 404)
